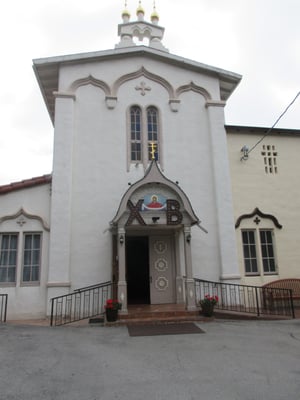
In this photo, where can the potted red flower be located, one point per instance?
(207, 305)
(112, 307)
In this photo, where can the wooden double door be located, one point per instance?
(150, 269)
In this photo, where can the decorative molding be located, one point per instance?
(228, 277)
(195, 88)
(111, 102)
(22, 213)
(215, 103)
(174, 105)
(64, 95)
(147, 74)
(260, 214)
(90, 80)
(58, 284)
(143, 88)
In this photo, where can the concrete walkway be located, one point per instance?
(233, 360)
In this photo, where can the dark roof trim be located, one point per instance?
(259, 213)
(261, 130)
(25, 184)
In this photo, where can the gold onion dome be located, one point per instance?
(154, 15)
(126, 13)
(140, 9)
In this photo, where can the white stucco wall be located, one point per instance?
(94, 165)
(27, 300)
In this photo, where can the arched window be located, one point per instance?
(143, 135)
(135, 134)
(152, 128)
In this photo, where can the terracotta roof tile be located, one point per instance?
(27, 183)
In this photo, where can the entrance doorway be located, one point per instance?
(150, 270)
(137, 270)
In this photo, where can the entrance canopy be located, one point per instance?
(155, 201)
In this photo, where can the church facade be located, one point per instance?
(149, 188)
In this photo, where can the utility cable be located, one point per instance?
(276, 122)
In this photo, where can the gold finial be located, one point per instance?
(153, 150)
(154, 15)
(140, 8)
(125, 13)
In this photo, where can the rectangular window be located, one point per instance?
(249, 249)
(31, 257)
(152, 126)
(8, 257)
(267, 251)
(135, 134)
(269, 154)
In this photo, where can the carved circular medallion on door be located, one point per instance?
(160, 246)
(161, 283)
(161, 265)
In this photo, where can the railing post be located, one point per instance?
(292, 303)
(52, 308)
(5, 307)
(257, 303)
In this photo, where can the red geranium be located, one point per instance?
(113, 304)
(209, 300)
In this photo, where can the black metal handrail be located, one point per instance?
(83, 303)
(3, 307)
(247, 299)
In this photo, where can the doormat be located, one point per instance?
(163, 329)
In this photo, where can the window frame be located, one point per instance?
(250, 258)
(144, 135)
(259, 250)
(31, 282)
(14, 282)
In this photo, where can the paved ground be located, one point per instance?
(233, 360)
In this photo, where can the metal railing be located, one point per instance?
(247, 299)
(83, 303)
(3, 307)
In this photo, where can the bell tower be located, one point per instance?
(140, 29)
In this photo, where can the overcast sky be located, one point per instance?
(259, 39)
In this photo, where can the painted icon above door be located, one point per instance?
(154, 202)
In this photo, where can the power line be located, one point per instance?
(246, 153)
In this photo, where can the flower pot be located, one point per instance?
(207, 310)
(111, 315)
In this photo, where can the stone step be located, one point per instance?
(158, 314)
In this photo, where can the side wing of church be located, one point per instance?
(148, 189)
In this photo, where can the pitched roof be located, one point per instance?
(25, 184)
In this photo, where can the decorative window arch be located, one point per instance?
(144, 135)
(258, 242)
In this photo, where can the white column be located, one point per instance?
(61, 198)
(229, 269)
(122, 284)
(179, 279)
(189, 283)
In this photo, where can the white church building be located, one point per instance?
(149, 187)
